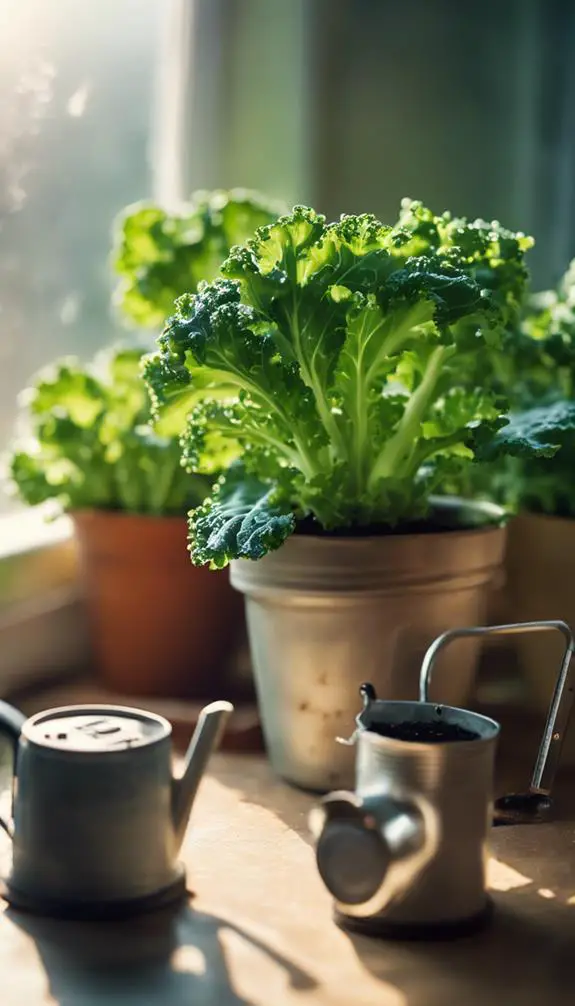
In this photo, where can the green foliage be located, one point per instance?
(160, 255)
(536, 483)
(240, 517)
(87, 442)
(348, 366)
(548, 330)
(534, 433)
(541, 361)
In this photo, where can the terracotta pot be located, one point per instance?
(540, 563)
(160, 626)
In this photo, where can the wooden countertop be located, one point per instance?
(259, 930)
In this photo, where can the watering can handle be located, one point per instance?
(561, 702)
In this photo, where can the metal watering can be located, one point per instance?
(98, 820)
(406, 853)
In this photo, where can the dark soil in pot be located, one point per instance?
(424, 733)
(447, 514)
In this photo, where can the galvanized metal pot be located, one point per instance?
(325, 614)
(405, 853)
(408, 848)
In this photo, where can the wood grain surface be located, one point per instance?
(259, 931)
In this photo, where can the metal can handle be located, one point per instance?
(11, 723)
(561, 701)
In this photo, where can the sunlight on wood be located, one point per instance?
(293, 953)
(261, 978)
(501, 877)
(544, 892)
(255, 976)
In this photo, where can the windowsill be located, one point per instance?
(25, 530)
(43, 631)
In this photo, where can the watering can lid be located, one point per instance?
(95, 728)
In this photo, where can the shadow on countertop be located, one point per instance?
(520, 960)
(172, 958)
(523, 957)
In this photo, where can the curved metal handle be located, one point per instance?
(11, 723)
(561, 701)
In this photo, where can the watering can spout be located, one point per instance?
(207, 735)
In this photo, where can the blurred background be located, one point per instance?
(346, 104)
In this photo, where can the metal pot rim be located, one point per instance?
(323, 565)
(455, 714)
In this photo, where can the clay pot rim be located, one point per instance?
(544, 518)
(97, 513)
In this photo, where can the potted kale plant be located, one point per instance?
(86, 444)
(340, 370)
(159, 626)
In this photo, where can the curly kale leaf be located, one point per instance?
(539, 449)
(538, 432)
(86, 442)
(349, 365)
(491, 254)
(241, 520)
(158, 255)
